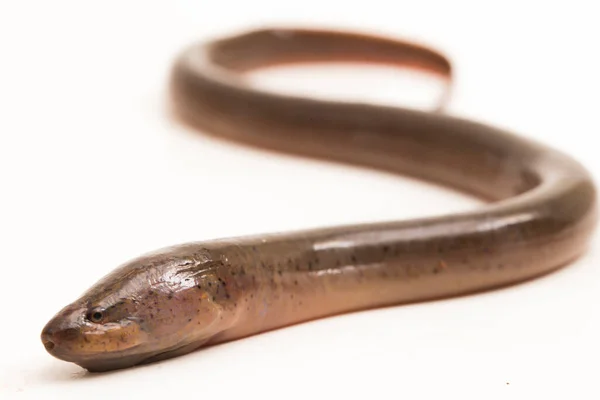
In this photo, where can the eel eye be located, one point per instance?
(96, 315)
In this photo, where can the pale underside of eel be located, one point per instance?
(540, 212)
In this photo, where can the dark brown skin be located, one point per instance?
(541, 212)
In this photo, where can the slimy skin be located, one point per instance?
(540, 216)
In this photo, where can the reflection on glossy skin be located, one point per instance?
(542, 211)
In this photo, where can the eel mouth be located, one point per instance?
(48, 344)
(150, 357)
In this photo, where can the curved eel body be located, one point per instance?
(540, 215)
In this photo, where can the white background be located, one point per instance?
(94, 171)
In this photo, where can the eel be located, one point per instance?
(539, 211)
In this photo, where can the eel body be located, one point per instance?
(539, 216)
